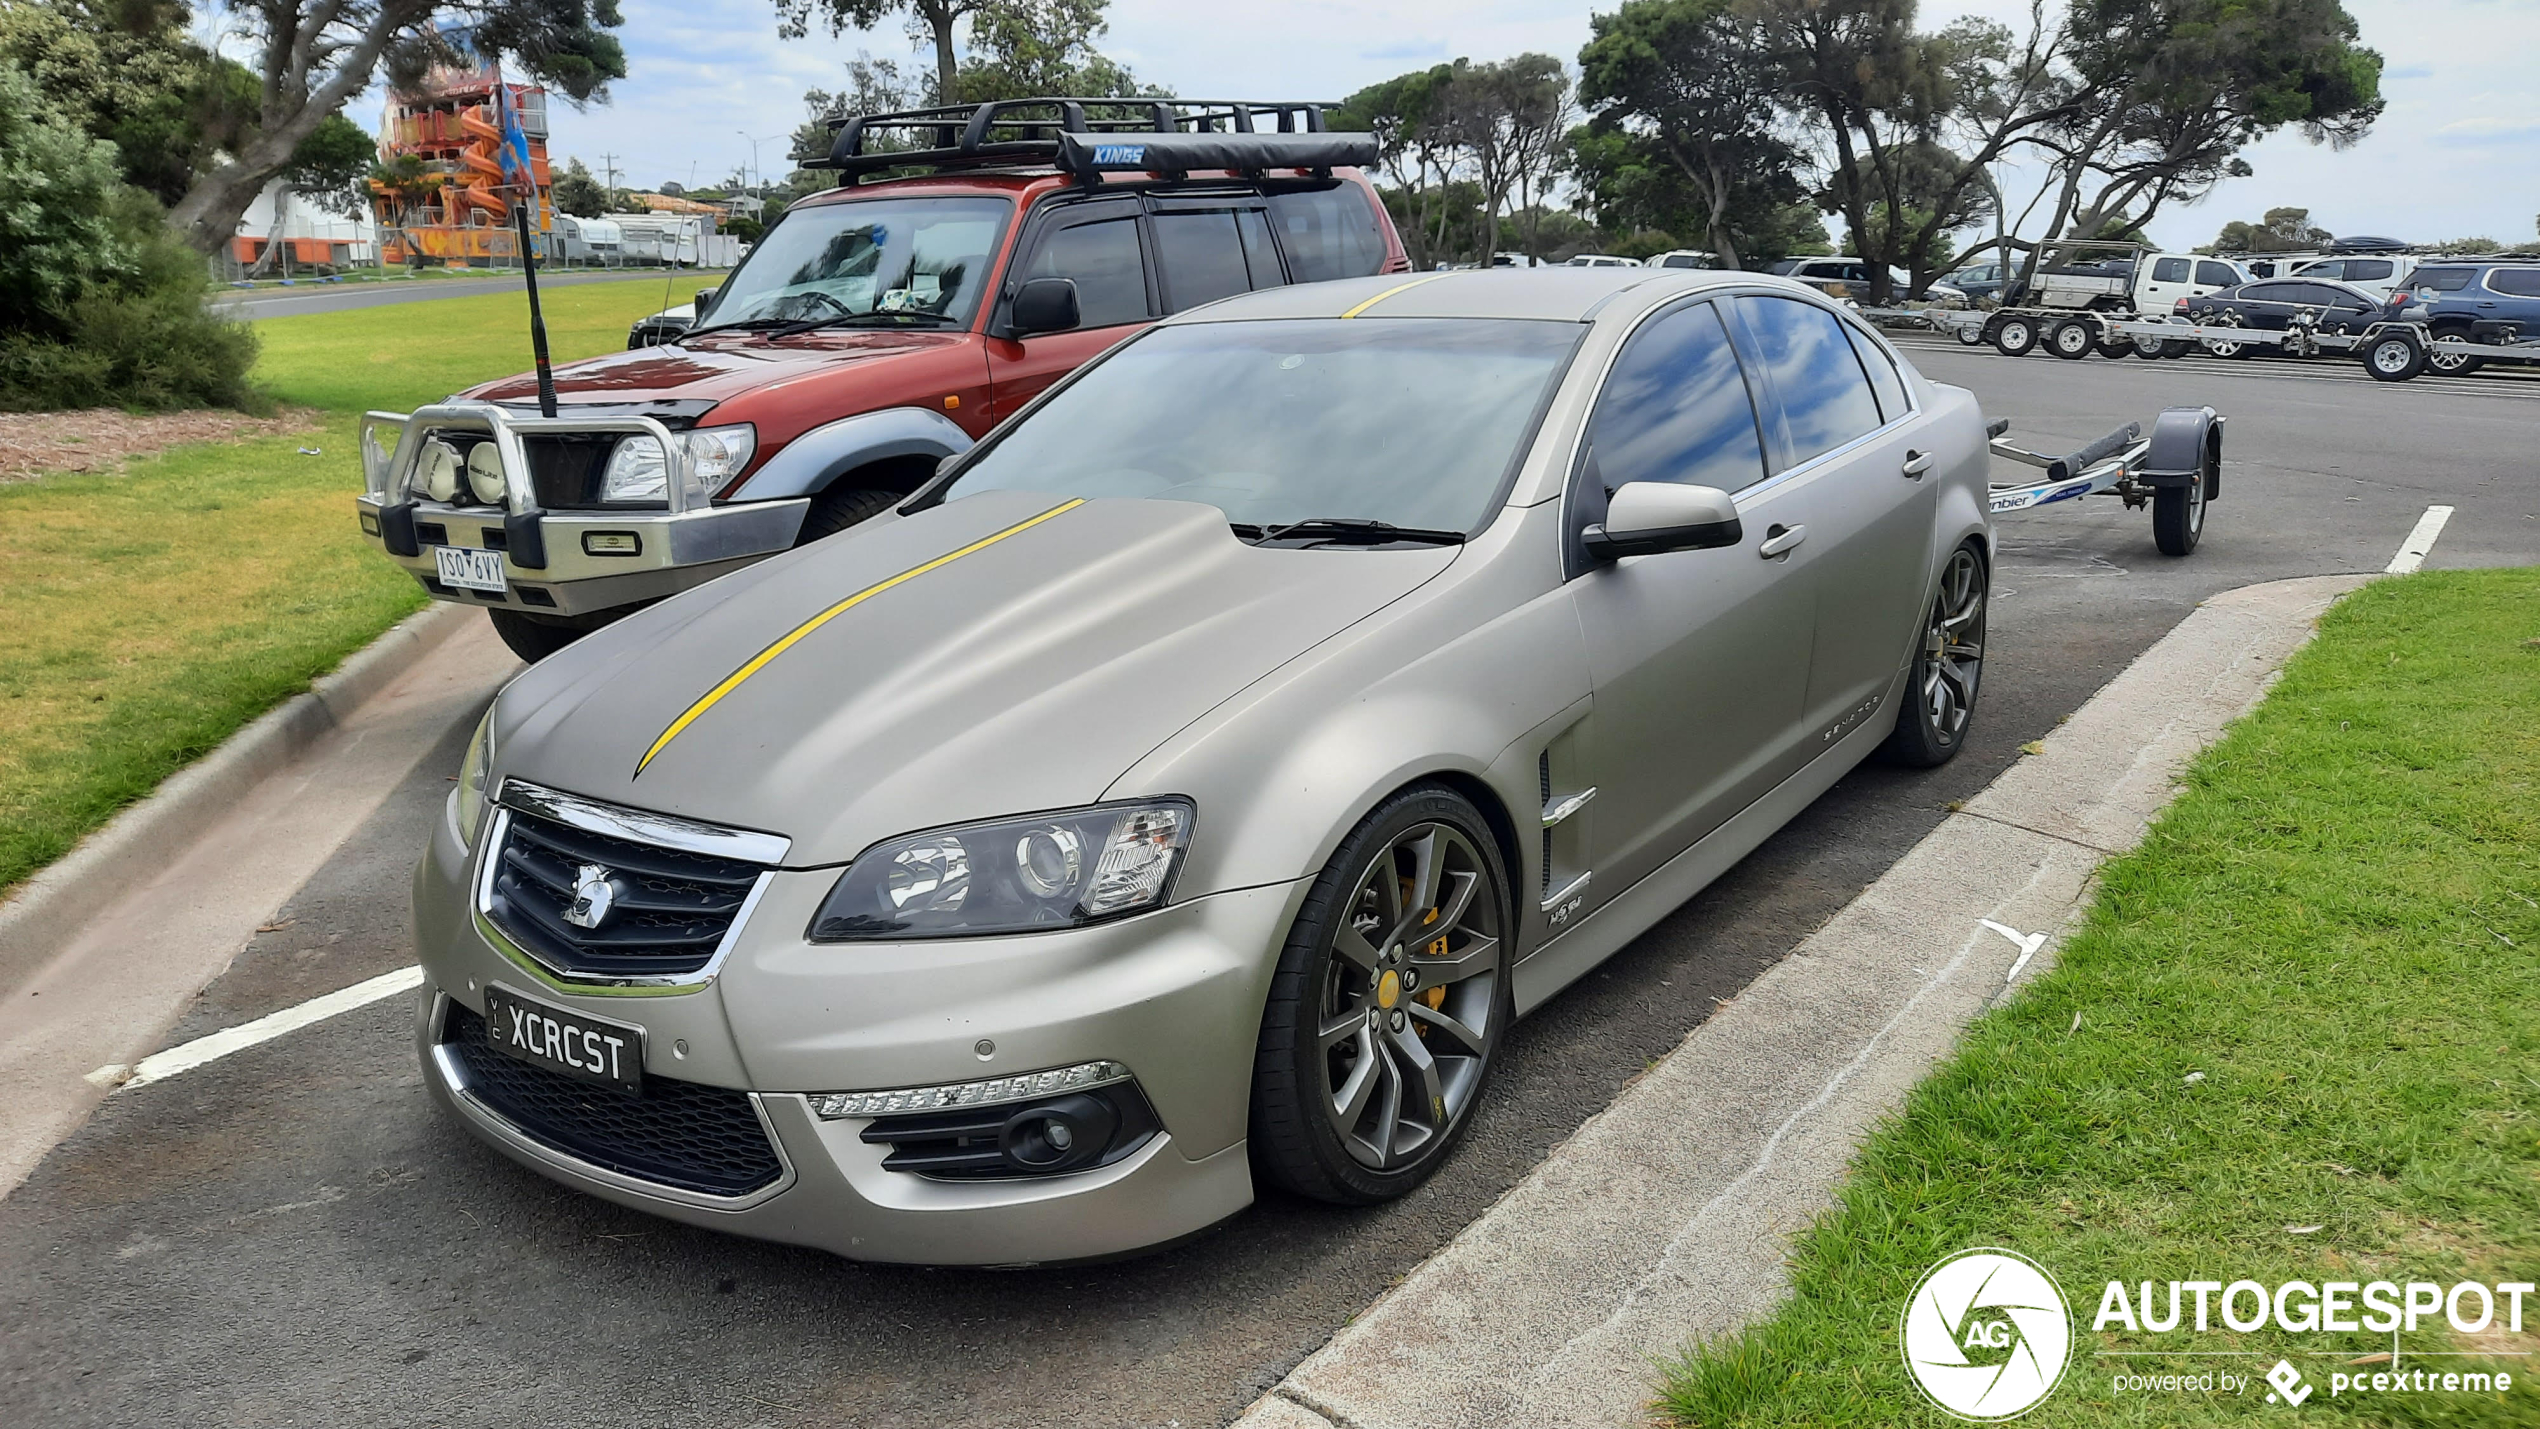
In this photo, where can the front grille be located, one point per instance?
(671, 909)
(679, 1134)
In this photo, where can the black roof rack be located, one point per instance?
(1088, 137)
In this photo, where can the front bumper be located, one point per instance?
(1175, 995)
(673, 551)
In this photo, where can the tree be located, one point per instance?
(1512, 117)
(937, 17)
(312, 56)
(1684, 118)
(2168, 92)
(1023, 48)
(57, 186)
(130, 75)
(2283, 230)
(579, 194)
(1418, 148)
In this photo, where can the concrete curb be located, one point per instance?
(1665, 1218)
(51, 906)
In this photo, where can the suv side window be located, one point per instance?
(2367, 269)
(2217, 275)
(2515, 282)
(1203, 256)
(1105, 260)
(1812, 379)
(2169, 270)
(2442, 280)
(1675, 408)
(1329, 233)
(2333, 268)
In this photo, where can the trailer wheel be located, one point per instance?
(2176, 347)
(1972, 334)
(2073, 339)
(2395, 358)
(2015, 337)
(2148, 347)
(2178, 517)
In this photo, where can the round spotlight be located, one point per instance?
(485, 473)
(437, 473)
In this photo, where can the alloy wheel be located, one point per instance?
(1409, 992)
(1953, 647)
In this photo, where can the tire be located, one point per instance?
(1940, 691)
(529, 637)
(2015, 337)
(2117, 347)
(2452, 364)
(1971, 334)
(2073, 339)
(2224, 347)
(2394, 358)
(2173, 348)
(1338, 1066)
(834, 510)
(2178, 517)
(2148, 347)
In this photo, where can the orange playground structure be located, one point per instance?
(482, 147)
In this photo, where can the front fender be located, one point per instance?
(808, 463)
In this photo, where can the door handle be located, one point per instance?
(1778, 540)
(1916, 463)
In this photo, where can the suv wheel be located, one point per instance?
(1388, 1004)
(531, 638)
(834, 510)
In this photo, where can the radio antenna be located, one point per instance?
(537, 319)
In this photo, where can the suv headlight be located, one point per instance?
(636, 469)
(474, 769)
(1018, 875)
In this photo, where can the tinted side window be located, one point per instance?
(2519, 282)
(1811, 372)
(1201, 257)
(1330, 233)
(2217, 275)
(1103, 258)
(1261, 256)
(1883, 376)
(2169, 270)
(2331, 269)
(1676, 408)
(2367, 269)
(2442, 280)
(2273, 292)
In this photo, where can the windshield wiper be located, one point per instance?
(803, 325)
(736, 325)
(1353, 530)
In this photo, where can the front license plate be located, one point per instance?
(470, 569)
(592, 1048)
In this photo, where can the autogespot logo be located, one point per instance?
(1986, 1334)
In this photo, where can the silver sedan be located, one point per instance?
(1188, 788)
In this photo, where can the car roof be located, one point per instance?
(1559, 294)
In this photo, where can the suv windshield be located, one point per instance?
(914, 256)
(1409, 421)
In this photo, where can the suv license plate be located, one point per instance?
(592, 1048)
(470, 569)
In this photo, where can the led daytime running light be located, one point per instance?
(1027, 1086)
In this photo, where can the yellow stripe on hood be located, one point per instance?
(790, 638)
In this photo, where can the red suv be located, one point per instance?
(874, 331)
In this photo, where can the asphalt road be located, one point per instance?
(317, 297)
(294, 1236)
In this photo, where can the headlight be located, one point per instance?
(715, 455)
(473, 770)
(1011, 875)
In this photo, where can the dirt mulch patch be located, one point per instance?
(39, 443)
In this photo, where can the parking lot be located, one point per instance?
(293, 1236)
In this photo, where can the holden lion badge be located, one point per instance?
(1986, 1334)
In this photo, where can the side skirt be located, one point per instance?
(1634, 911)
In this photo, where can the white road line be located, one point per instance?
(159, 1066)
(2412, 551)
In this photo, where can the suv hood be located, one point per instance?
(718, 370)
(975, 662)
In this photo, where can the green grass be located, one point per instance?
(2338, 924)
(146, 615)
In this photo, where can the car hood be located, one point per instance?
(716, 369)
(1000, 654)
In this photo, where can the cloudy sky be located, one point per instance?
(2457, 153)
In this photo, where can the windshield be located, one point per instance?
(915, 256)
(1409, 421)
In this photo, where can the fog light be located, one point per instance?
(995, 1091)
(612, 543)
(370, 523)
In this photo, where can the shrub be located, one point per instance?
(100, 305)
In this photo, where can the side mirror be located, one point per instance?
(704, 296)
(1648, 518)
(1046, 305)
